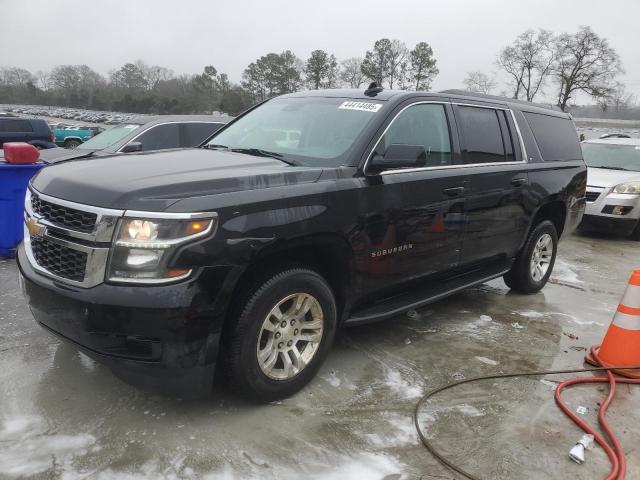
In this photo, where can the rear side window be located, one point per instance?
(193, 134)
(486, 133)
(556, 137)
(15, 126)
(160, 137)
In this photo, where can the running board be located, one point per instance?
(421, 297)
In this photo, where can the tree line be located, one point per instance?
(142, 88)
(563, 65)
(537, 63)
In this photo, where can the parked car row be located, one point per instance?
(108, 118)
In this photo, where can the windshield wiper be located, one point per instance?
(215, 146)
(258, 152)
(613, 168)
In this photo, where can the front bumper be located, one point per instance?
(598, 213)
(609, 224)
(162, 337)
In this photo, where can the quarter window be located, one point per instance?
(424, 127)
(486, 134)
(556, 137)
(160, 137)
(193, 134)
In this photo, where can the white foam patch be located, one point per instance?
(401, 386)
(530, 314)
(565, 272)
(29, 448)
(488, 361)
(428, 419)
(398, 431)
(366, 465)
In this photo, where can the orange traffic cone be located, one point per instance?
(621, 344)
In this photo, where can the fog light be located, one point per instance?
(620, 210)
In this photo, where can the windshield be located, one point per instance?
(109, 137)
(309, 131)
(610, 155)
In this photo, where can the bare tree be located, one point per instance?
(528, 62)
(351, 72)
(397, 62)
(479, 82)
(584, 63)
(44, 79)
(618, 99)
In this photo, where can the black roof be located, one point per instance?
(460, 95)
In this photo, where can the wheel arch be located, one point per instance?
(553, 210)
(328, 254)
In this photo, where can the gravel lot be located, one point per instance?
(62, 416)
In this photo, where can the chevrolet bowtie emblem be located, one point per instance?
(35, 229)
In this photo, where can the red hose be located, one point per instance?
(613, 451)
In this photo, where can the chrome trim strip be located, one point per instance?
(168, 215)
(79, 206)
(150, 281)
(422, 169)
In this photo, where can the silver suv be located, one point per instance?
(613, 185)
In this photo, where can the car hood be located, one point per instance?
(602, 177)
(59, 154)
(155, 180)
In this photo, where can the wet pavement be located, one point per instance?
(62, 416)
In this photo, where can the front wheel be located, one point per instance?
(71, 144)
(534, 264)
(282, 335)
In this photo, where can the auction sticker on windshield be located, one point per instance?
(364, 106)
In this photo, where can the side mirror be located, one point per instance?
(400, 156)
(132, 147)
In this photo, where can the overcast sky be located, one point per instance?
(185, 35)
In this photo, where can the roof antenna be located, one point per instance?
(373, 90)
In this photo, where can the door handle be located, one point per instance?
(453, 191)
(516, 182)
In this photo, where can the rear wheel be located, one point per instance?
(534, 264)
(282, 335)
(71, 144)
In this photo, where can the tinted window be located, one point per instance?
(160, 137)
(15, 126)
(482, 134)
(556, 137)
(423, 126)
(193, 134)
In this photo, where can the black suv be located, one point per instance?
(309, 212)
(30, 130)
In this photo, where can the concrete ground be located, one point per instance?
(62, 416)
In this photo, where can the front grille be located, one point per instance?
(59, 260)
(64, 216)
(592, 196)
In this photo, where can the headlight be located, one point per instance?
(632, 188)
(144, 245)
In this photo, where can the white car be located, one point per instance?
(613, 185)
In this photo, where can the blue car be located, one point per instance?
(33, 131)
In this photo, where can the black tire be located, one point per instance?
(520, 278)
(71, 144)
(635, 235)
(240, 358)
